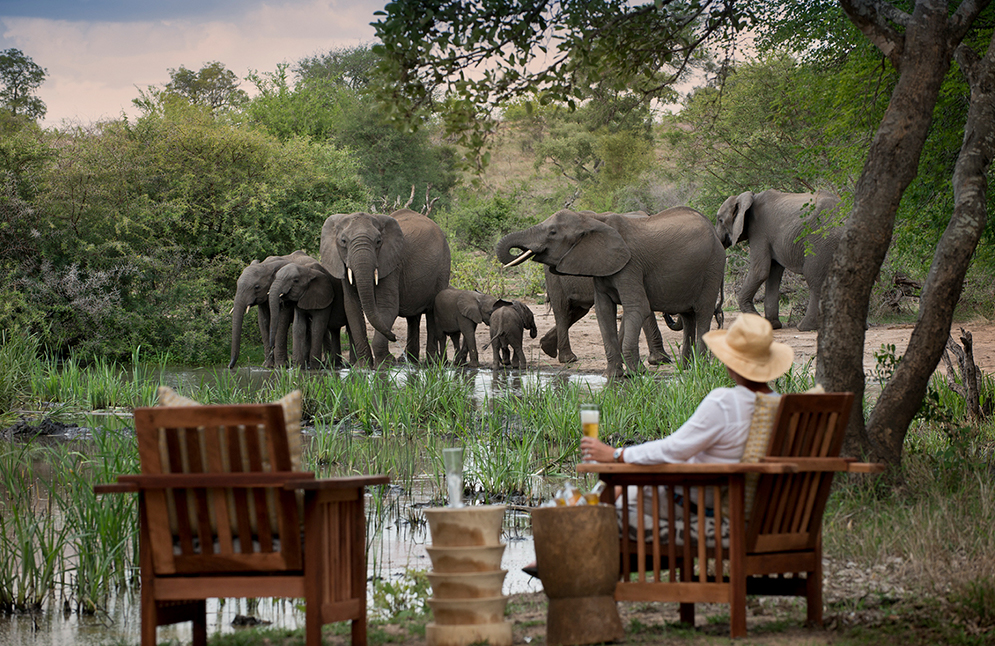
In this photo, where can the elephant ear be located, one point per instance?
(392, 245)
(600, 251)
(469, 306)
(743, 204)
(330, 257)
(319, 293)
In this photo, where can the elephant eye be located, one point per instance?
(379, 241)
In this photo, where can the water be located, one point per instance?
(395, 549)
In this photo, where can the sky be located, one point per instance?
(99, 53)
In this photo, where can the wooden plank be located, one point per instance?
(698, 468)
(207, 587)
(206, 480)
(673, 592)
(208, 563)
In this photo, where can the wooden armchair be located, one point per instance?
(223, 514)
(742, 544)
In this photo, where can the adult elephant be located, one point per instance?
(391, 265)
(314, 297)
(251, 289)
(669, 262)
(790, 231)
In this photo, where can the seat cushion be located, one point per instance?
(761, 426)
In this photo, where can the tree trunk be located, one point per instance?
(891, 166)
(900, 399)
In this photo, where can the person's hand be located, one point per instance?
(593, 450)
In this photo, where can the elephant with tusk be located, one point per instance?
(393, 265)
(669, 262)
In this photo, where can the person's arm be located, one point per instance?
(696, 434)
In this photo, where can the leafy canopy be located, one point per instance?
(471, 56)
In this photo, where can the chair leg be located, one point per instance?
(200, 624)
(359, 632)
(149, 619)
(687, 613)
(813, 594)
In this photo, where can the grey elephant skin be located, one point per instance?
(390, 265)
(251, 289)
(669, 262)
(458, 312)
(572, 297)
(779, 228)
(508, 325)
(314, 297)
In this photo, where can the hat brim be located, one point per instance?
(777, 361)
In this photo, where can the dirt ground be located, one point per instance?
(585, 340)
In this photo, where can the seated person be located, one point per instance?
(718, 429)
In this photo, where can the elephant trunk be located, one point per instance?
(514, 240)
(237, 316)
(364, 268)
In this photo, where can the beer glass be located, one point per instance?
(589, 420)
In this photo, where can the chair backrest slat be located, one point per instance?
(205, 521)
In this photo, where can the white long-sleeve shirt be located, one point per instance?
(716, 432)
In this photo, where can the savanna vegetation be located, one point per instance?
(120, 243)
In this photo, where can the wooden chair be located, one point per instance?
(764, 552)
(220, 515)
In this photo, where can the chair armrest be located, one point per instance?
(684, 468)
(348, 482)
(215, 480)
(827, 464)
(115, 487)
(866, 467)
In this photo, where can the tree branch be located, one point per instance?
(871, 17)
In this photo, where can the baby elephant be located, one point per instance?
(458, 312)
(507, 325)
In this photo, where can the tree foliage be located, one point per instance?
(462, 59)
(213, 87)
(19, 78)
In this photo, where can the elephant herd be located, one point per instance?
(372, 268)
(378, 267)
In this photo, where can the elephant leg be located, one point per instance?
(759, 269)
(284, 321)
(518, 361)
(496, 351)
(411, 345)
(262, 316)
(319, 330)
(333, 346)
(607, 311)
(692, 338)
(812, 312)
(301, 340)
(556, 342)
(772, 294)
(469, 331)
(654, 341)
(434, 340)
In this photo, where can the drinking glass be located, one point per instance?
(590, 417)
(452, 461)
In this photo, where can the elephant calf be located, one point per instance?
(459, 312)
(508, 325)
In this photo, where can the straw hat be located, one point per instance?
(749, 348)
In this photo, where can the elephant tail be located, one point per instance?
(718, 313)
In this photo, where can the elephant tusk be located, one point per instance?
(349, 275)
(519, 260)
(231, 311)
(376, 277)
(247, 309)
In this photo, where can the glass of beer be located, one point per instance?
(590, 417)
